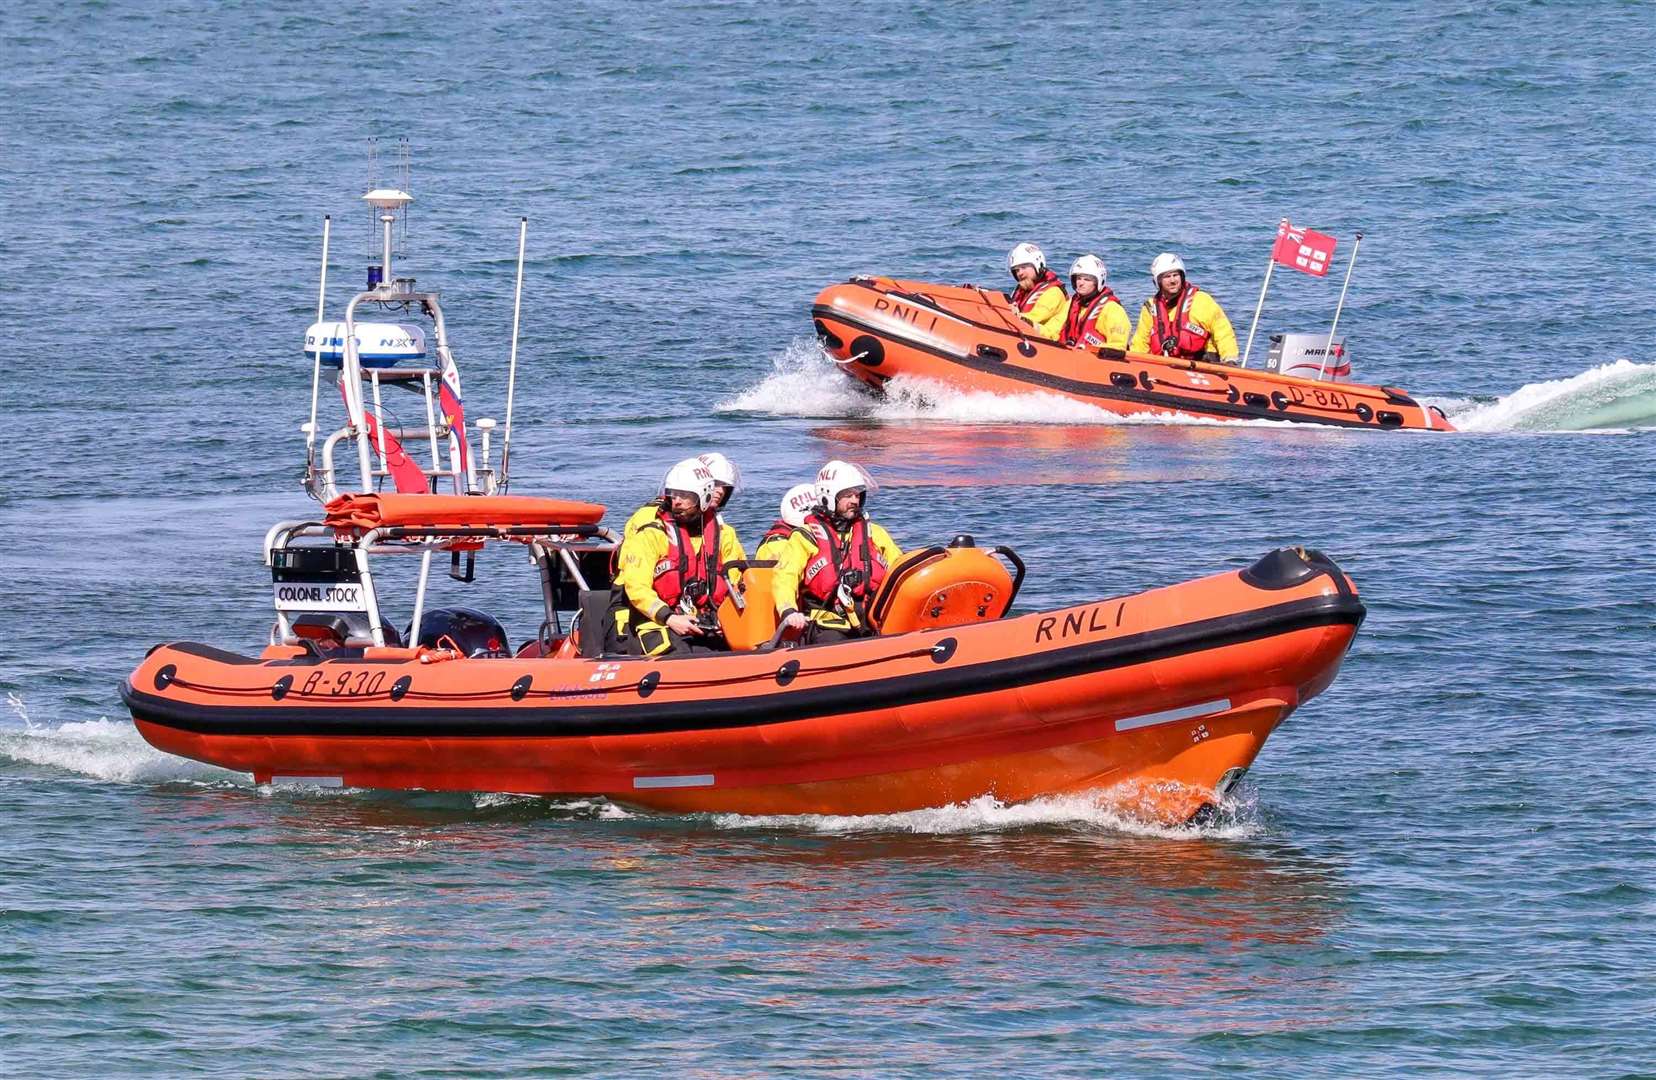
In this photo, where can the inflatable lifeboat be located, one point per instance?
(1158, 701)
(972, 339)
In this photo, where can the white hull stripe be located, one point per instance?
(1167, 716)
(703, 780)
(309, 781)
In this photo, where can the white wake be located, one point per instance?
(1618, 395)
(805, 382)
(1237, 819)
(106, 750)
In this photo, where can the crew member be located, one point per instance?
(796, 505)
(676, 568)
(1181, 320)
(1039, 298)
(1095, 318)
(727, 479)
(832, 568)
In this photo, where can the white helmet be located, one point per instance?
(723, 469)
(1026, 253)
(692, 477)
(837, 477)
(1164, 262)
(798, 503)
(1092, 266)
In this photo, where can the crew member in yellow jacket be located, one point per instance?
(833, 565)
(1182, 320)
(677, 568)
(1039, 298)
(727, 479)
(1095, 318)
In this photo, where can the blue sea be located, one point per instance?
(1446, 864)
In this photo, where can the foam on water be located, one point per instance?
(910, 398)
(802, 382)
(805, 382)
(106, 750)
(1237, 819)
(1621, 394)
(596, 809)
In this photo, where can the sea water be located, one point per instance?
(1443, 864)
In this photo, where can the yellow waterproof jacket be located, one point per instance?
(1205, 315)
(642, 516)
(1048, 315)
(647, 546)
(1110, 323)
(800, 550)
(771, 548)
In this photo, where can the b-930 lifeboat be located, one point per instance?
(1158, 700)
(972, 339)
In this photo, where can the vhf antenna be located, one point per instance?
(372, 183)
(405, 171)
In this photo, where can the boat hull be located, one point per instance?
(879, 328)
(1157, 700)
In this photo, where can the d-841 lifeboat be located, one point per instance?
(972, 339)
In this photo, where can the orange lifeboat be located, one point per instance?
(1164, 697)
(971, 338)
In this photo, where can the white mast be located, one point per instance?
(316, 368)
(369, 354)
(388, 201)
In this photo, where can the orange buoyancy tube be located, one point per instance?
(1189, 342)
(857, 566)
(1025, 299)
(1080, 328)
(687, 572)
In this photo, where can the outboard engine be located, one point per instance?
(1308, 357)
(472, 632)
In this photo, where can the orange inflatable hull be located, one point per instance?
(970, 338)
(1158, 699)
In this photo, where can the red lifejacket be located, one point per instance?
(684, 569)
(855, 563)
(1190, 342)
(1079, 330)
(1024, 299)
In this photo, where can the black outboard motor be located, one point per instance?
(471, 631)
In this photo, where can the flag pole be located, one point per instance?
(1329, 346)
(1261, 305)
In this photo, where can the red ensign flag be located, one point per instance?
(1303, 249)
